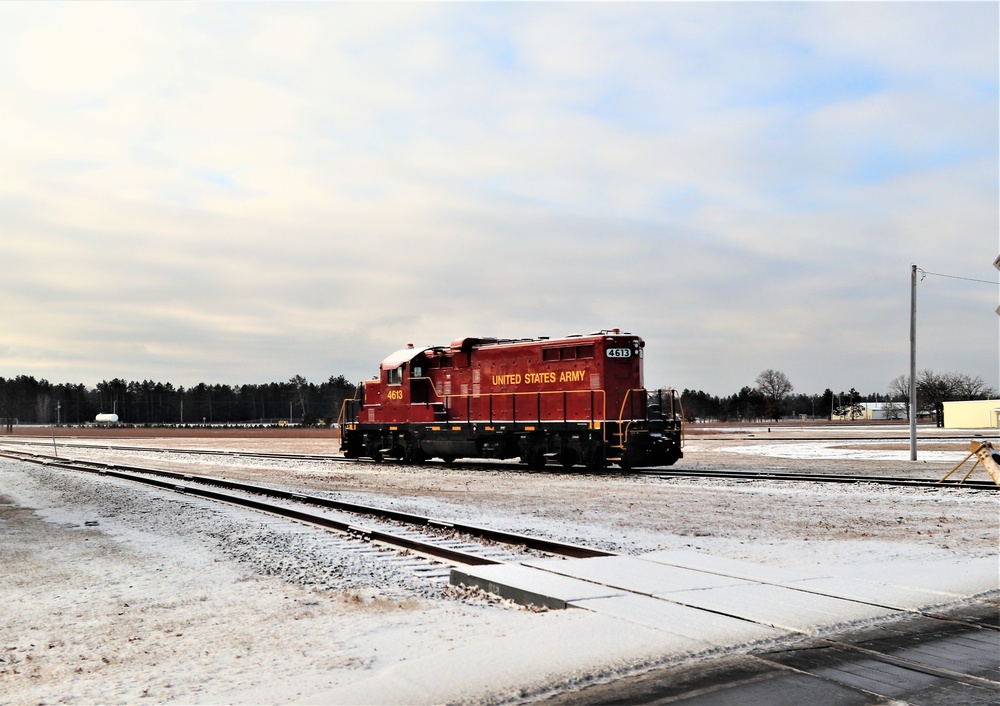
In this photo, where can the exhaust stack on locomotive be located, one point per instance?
(573, 400)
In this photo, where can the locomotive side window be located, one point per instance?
(567, 353)
(395, 375)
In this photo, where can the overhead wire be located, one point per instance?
(924, 273)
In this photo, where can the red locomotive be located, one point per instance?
(573, 400)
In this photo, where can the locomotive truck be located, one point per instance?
(572, 400)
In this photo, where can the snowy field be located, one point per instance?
(121, 595)
(838, 451)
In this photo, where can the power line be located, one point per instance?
(924, 273)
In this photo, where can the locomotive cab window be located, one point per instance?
(395, 375)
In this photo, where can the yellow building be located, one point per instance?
(978, 414)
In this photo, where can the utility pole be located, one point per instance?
(913, 362)
(55, 451)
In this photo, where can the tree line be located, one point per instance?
(771, 398)
(25, 400)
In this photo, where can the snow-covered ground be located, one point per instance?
(114, 594)
(838, 450)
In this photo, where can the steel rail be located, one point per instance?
(656, 472)
(820, 478)
(202, 452)
(444, 553)
(764, 436)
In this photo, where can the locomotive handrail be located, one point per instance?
(342, 417)
(490, 396)
(624, 424)
(622, 427)
(537, 395)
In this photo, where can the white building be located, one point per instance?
(873, 411)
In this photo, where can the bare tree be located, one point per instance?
(934, 389)
(774, 386)
(899, 389)
(967, 387)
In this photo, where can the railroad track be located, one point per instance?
(821, 478)
(765, 436)
(671, 472)
(197, 452)
(435, 537)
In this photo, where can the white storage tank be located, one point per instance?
(106, 418)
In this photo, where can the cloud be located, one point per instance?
(236, 193)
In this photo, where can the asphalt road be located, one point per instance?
(921, 661)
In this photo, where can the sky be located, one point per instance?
(242, 192)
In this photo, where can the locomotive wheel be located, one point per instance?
(448, 459)
(536, 460)
(567, 458)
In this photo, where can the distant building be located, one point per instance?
(872, 411)
(977, 414)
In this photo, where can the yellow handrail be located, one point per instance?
(342, 417)
(623, 424)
